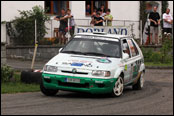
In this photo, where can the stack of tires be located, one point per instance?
(29, 77)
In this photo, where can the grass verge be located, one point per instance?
(159, 64)
(15, 86)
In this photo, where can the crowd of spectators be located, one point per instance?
(102, 15)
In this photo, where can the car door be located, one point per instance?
(135, 58)
(127, 63)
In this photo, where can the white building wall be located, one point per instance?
(121, 10)
(171, 7)
(9, 9)
(125, 10)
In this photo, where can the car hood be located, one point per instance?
(85, 62)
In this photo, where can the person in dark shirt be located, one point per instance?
(62, 26)
(98, 20)
(88, 10)
(154, 18)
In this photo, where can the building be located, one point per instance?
(121, 10)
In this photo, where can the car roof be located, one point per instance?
(103, 35)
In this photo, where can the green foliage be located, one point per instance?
(6, 73)
(25, 25)
(147, 54)
(156, 57)
(162, 56)
(166, 50)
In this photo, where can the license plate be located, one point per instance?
(72, 80)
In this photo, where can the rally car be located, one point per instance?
(97, 63)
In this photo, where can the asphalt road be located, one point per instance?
(155, 98)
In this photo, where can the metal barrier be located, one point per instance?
(53, 27)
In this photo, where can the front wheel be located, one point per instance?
(118, 87)
(140, 83)
(47, 92)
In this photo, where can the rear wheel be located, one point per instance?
(47, 92)
(118, 87)
(140, 83)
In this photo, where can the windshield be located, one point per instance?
(93, 47)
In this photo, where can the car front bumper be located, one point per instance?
(90, 85)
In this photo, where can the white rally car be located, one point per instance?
(95, 63)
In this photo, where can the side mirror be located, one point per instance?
(125, 56)
(60, 50)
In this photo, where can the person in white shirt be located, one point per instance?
(167, 22)
(71, 21)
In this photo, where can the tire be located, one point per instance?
(25, 77)
(31, 77)
(47, 92)
(140, 83)
(118, 87)
(36, 77)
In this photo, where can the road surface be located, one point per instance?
(155, 98)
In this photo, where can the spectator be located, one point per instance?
(72, 22)
(62, 26)
(154, 18)
(93, 18)
(102, 14)
(167, 22)
(108, 18)
(103, 8)
(88, 10)
(95, 10)
(98, 20)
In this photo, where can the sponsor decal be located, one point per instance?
(103, 60)
(78, 63)
(125, 67)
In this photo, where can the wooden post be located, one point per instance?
(36, 44)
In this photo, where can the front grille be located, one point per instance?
(83, 73)
(78, 85)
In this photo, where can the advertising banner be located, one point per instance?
(108, 29)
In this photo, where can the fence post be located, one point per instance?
(141, 33)
(51, 30)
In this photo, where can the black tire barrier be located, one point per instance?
(31, 77)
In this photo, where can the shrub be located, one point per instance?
(6, 73)
(156, 57)
(23, 29)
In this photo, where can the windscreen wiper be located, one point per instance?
(96, 54)
(73, 52)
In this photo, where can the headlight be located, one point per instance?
(49, 68)
(101, 73)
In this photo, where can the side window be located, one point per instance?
(133, 48)
(126, 47)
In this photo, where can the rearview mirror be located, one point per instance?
(125, 56)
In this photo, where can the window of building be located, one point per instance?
(54, 7)
(91, 6)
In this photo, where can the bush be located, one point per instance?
(156, 57)
(6, 73)
(147, 54)
(23, 29)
